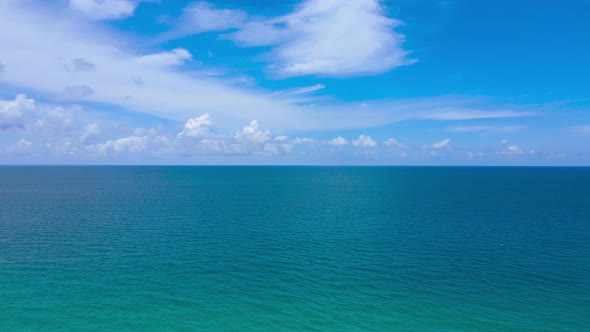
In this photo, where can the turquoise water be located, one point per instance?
(294, 248)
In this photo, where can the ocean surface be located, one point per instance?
(294, 249)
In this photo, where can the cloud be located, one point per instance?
(196, 138)
(504, 141)
(81, 65)
(153, 83)
(511, 150)
(22, 147)
(470, 114)
(338, 141)
(14, 112)
(131, 144)
(252, 134)
(336, 38)
(364, 141)
(173, 58)
(515, 149)
(442, 144)
(303, 90)
(394, 143)
(197, 127)
(202, 17)
(91, 133)
(104, 9)
(75, 92)
(56, 119)
(477, 128)
(305, 141)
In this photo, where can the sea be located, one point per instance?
(261, 248)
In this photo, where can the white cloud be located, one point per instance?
(201, 17)
(131, 144)
(488, 128)
(515, 149)
(56, 119)
(22, 147)
(394, 143)
(104, 9)
(329, 38)
(253, 134)
(364, 141)
(173, 58)
(34, 46)
(470, 114)
(14, 112)
(442, 144)
(338, 141)
(504, 141)
(305, 141)
(91, 133)
(303, 90)
(197, 127)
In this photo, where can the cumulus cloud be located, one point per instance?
(131, 144)
(104, 9)
(197, 127)
(364, 141)
(14, 112)
(515, 149)
(394, 143)
(442, 144)
(195, 138)
(305, 141)
(338, 141)
(252, 134)
(56, 119)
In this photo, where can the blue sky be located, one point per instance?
(441, 82)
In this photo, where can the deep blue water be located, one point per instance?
(294, 248)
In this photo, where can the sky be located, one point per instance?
(295, 82)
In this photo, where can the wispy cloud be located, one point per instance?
(585, 129)
(104, 9)
(487, 128)
(202, 17)
(302, 90)
(113, 74)
(471, 114)
(442, 144)
(336, 38)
